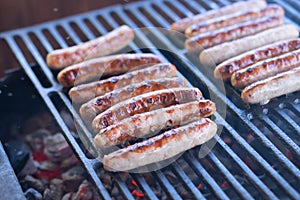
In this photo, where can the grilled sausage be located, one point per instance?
(203, 41)
(144, 103)
(152, 122)
(219, 53)
(86, 92)
(182, 24)
(101, 46)
(89, 110)
(93, 69)
(161, 147)
(275, 86)
(226, 68)
(264, 69)
(235, 18)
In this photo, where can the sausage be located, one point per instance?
(85, 92)
(152, 122)
(275, 86)
(161, 147)
(144, 103)
(89, 110)
(182, 24)
(235, 18)
(226, 68)
(101, 46)
(219, 53)
(197, 43)
(266, 68)
(94, 69)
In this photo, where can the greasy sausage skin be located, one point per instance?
(85, 92)
(275, 86)
(235, 18)
(203, 41)
(161, 147)
(266, 68)
(89, 110)
(182, 24)
(152, 122)
(94, 69)
(222, 52)
(102, 46)
(227, 68)
(144, 103)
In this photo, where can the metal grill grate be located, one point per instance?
(257, 154)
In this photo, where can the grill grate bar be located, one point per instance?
(199, 169)
(85, 29)
(123, 188)
(254, 179)
(169, 189)
(144, 185)
(289, 120)
(197, 194)
(67, 27)
(57, 37)
(239, 188)
(180, 7)
(278, 131)
(43, 40)
(168, 11)
(38, 58)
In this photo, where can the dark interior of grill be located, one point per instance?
(256, 155)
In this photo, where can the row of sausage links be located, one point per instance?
(202, 41)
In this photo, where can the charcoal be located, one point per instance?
(73, 177)
(55, 191)
(34, 183)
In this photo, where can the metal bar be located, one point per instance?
(168, 188)
(69, 30)
(38, 58)
(123, 188)
(43, 40)
(144, 186)
(87, 32)
(289, 120)
(198, 168)
(239, 188)
(57, 37)
(188, 183)
(291, 144)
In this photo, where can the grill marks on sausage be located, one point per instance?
(266, 68)
(206, 40)
(235, 18)
(227, 68)
(145, 103)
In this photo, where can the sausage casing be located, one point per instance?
(222, 52)
(144, 103)
(89, 110)
(266, 68)
(161, 147)
(226, 68)
(235, 18)
(203, 41)
(275, 86)
(182, 24)
(101, 46)
(85, 92)
(94, 69)
(152, 122)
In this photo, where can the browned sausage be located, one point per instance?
(226, 68)
(275, 86)
(152, 122)
(235, 18)
(266, 68)
(161, 147)
(86, 92)
(89, 110)
(182, 24)
(203, 41)
(94, 69)
(101, 46)
(144, 103)
(222, 52)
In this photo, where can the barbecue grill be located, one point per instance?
(256, 156)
